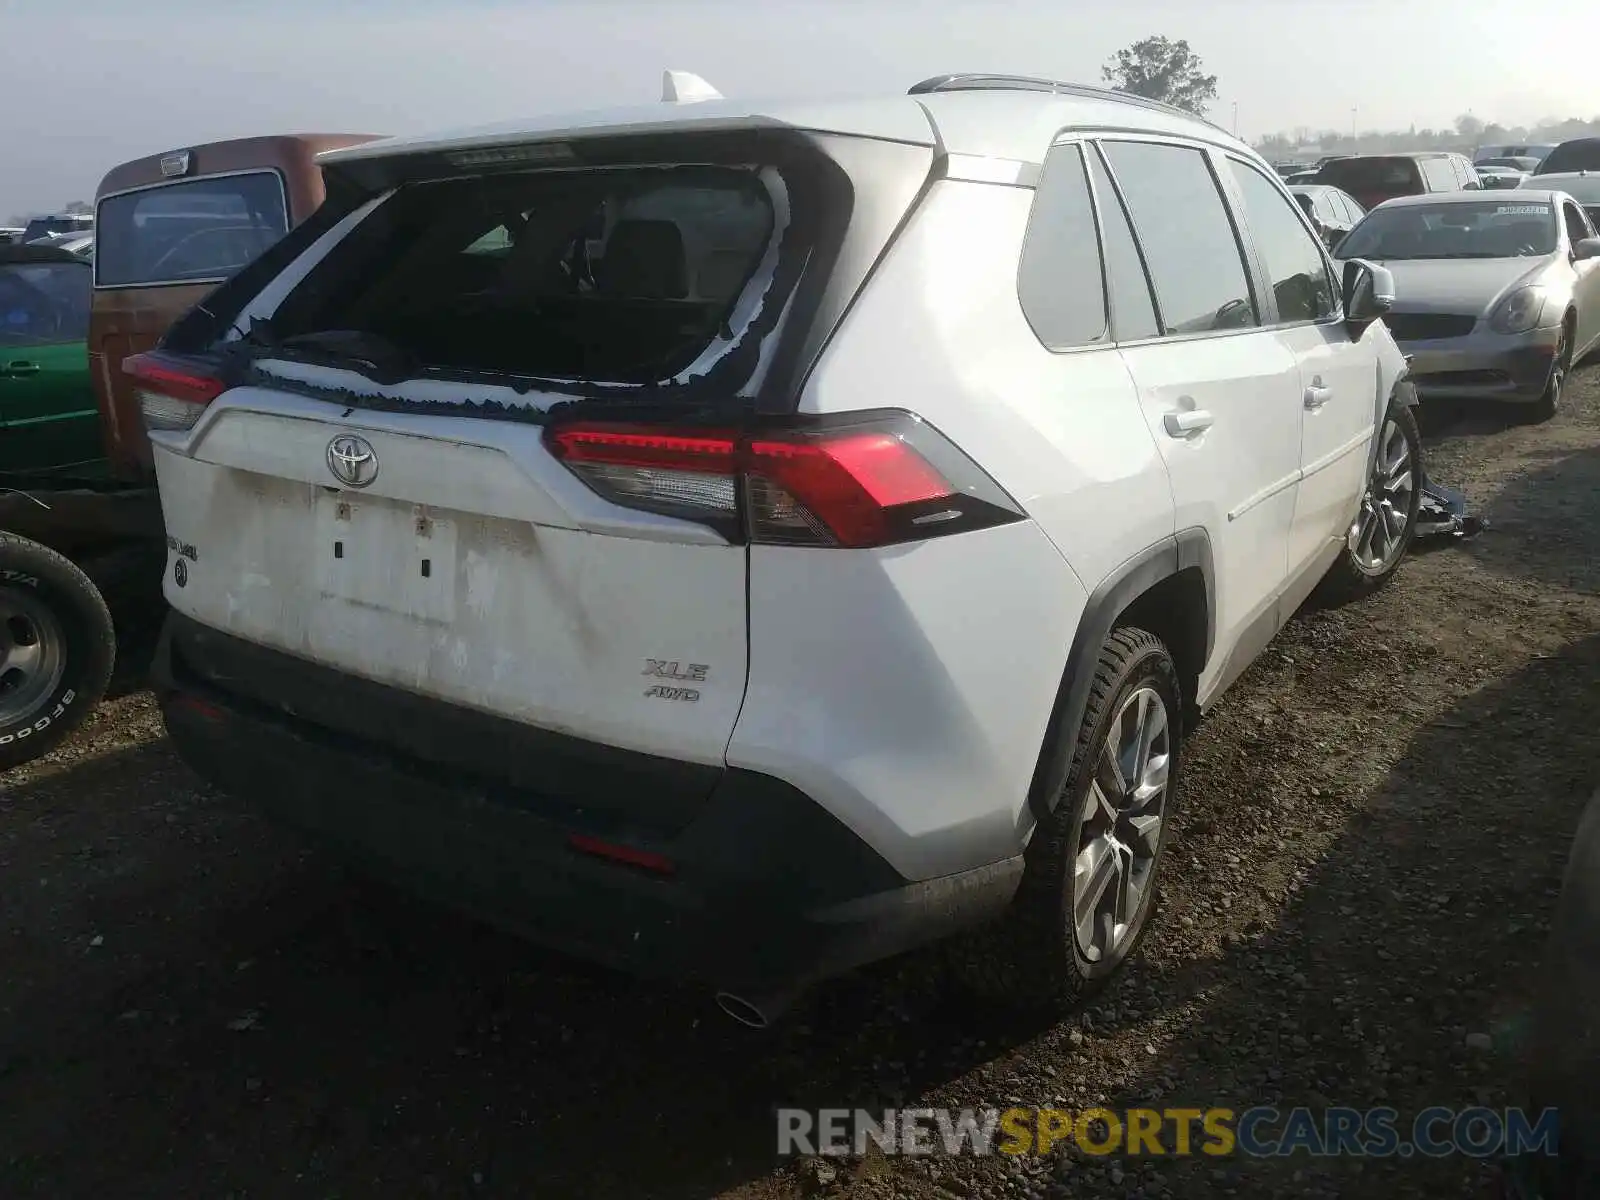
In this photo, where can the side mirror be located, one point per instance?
(1586, 249)
(1473, 185)
(1368, 294)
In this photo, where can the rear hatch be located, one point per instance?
(481, 440)
(1373, 180)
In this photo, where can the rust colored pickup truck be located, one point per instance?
(168, 229)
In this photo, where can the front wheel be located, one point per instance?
(1544, 408)
(56, 649)
(1090, 883)
(1386, 522)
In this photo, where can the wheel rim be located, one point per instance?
(32, 654)
(1558, 372)
(1377, 536)
(1119, 831)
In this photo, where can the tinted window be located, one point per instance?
(1378, 176)
(43, 303)
(1133, 311)
(1060, 282)
(199, 229)
(1299, 276)
(1580, 155)
(1187, 236)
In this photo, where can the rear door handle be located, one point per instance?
(1186, 422)
(20, 367)
(1317, 395)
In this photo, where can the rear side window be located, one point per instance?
(617, 276)
(1187, 236)
(1059, 282)
(1391, 176)
(1133, 309)
(1441, 177)
(193, 231)
(1300, 279)
(42, 304)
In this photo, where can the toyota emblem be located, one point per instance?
(352, 460)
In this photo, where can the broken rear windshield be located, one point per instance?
(626, 275)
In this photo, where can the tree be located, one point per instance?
(1469, 127)
(1162, 69)
(78, 206)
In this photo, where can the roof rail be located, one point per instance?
(1029, 83)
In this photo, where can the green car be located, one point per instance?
(48, 417)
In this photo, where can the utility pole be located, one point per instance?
(1235, 118)
(1353, 109)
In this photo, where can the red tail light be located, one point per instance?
(172, 391)
(874, 482)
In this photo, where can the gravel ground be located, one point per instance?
(1372, 830)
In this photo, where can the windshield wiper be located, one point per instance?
(369, 354)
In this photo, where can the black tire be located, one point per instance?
(1544, 408)
(50, 607)
(1350, 578)
(1033, 956)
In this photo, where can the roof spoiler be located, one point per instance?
(681, 87)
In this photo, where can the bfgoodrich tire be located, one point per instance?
(56, 649)
(1089, 887)
(1381, 534)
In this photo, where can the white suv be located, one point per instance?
(740, 543)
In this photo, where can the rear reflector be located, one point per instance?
(172, 391)
(646, 860)
(877, 480)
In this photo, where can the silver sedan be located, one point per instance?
(1494, 296)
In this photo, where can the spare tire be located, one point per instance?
(57, 648)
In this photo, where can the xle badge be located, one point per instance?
(658, 668)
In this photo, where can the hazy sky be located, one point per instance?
(87, 84)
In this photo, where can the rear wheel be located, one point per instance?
(1384, 525)
(56, 649)
(1092, 867)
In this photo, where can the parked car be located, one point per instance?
(1300, 178)
(71, 484)
(1524, 164)
(1333, 213)
(1582, 186)
(10, 234)
(56, 639)
(1500, 179)
(510, 529)
(1374, 178)
(171, 228)
(47, 410)
(1580, 154)
(79, 244)
(1495, 297)
(1534, 150)
(40, 227)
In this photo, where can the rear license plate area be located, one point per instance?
(387, 555)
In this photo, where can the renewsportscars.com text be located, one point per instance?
(1260, 1132)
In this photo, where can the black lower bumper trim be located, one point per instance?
(768, 890)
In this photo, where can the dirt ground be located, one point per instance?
(1373, 827)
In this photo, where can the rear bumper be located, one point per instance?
(765, 889)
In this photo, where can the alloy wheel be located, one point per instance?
(32, 654)
(1120, 824)
(1377, 536)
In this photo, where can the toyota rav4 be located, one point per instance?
(739, 543)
